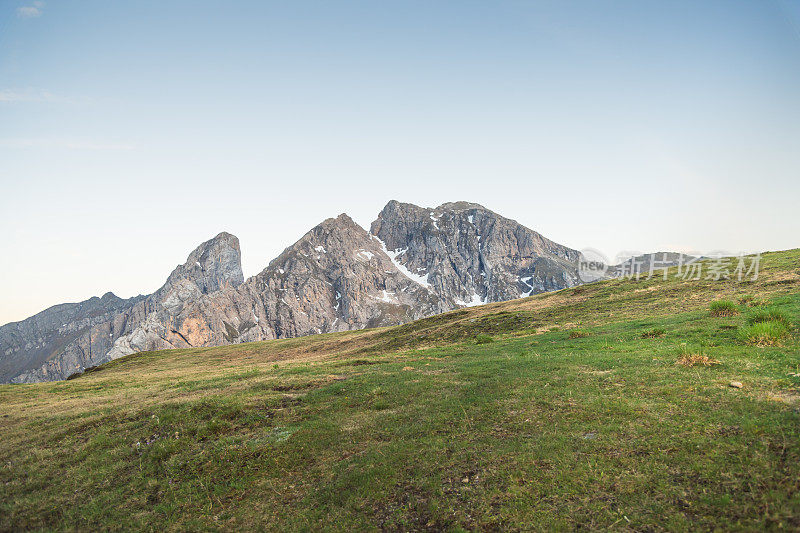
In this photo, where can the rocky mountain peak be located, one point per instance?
(461, 206)
(336, 228)
(473, 255)
(332, 238)
(215, 264)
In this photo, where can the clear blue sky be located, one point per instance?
(132, 131)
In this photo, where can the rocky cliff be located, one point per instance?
(414, 262)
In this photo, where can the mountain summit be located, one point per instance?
(471, 254)
(414, 262)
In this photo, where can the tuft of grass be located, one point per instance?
(695, 357)
(723, 308)
(653, 333)
(769, 333)
(578, 334)
(483, 339)
(769, 314)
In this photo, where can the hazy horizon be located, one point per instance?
(129, 134)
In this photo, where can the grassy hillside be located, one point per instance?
(602, 406)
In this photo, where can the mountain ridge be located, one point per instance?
(413, 262)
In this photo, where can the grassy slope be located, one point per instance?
(420, 427)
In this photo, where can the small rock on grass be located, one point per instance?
(736, 384)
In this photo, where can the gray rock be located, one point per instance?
(73, 333)
(335, 278)
(472, 255)
(213, 266)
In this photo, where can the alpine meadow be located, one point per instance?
(622, 404)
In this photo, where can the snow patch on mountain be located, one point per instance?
(526, 282)
(393, 255)
(474, 300)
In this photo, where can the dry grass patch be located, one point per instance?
(787, 397)
(696, 358)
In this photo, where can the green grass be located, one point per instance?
(654, 333)
(769, 333)
(428, 427)
(723, 308)
(483, 339)
(770, 314)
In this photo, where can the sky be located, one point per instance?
(130, 132)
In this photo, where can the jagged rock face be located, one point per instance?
(154, 323)
(471, 255)
(215, 264)
(414, 262)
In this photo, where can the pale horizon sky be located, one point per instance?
(130, 132)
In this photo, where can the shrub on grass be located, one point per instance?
(769, 314)
(723, 308)
(769, 333)
(578, 334)
(695, 357)
(653, 333)
(483, 339)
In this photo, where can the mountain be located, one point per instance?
(335, 278)
(69, 332)
(471, 255)
(414, 262)
(151, 325)
(68, 338)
